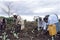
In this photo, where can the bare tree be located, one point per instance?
(8, 5)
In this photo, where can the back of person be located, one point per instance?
(18, 20)
(53, 18)
(40, 23)
(4, 21)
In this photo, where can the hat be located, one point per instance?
(14, 14)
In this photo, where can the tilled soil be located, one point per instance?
(31, 36)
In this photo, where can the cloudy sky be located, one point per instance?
(30, 8)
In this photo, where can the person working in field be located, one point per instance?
(51, 19)
(40, 25)
(4, 22)
(18, 22)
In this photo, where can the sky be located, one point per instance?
(30, 8)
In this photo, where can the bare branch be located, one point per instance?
(9, 8)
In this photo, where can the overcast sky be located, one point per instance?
(29, 8)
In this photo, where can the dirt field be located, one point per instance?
(30, 36)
